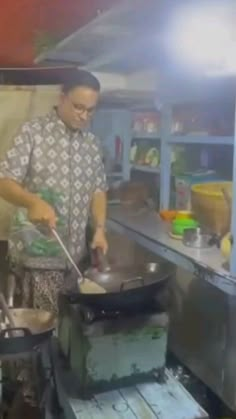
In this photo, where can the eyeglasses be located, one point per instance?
(80, 109)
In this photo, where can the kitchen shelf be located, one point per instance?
(167, 140)
(115, 174)
(201, 139)
(143, 168)
(145, 136)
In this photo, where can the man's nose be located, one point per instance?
(84, 115)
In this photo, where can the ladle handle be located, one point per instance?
(69, 257)
(6, 310)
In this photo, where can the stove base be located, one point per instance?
(168, 400)
(113, 353)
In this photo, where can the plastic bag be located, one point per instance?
(36, 240)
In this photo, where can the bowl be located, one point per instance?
(183, 215)
(179, 226)
(168, 215)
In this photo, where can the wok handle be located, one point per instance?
(94, 258)
(129, 281)
(99, 260)
(24, 330)
(103, 264)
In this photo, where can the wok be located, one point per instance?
(126, 288)
(32, 328)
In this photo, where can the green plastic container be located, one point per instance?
(178, 226)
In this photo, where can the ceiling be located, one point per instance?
(115, 41)
(119, 41)
(26, 26)
(126, 37)
(132, 35)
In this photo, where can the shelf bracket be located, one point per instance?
(165, 172)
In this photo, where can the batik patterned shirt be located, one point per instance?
(46, 154)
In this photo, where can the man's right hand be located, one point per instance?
(40, 211)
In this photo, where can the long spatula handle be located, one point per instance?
(69, 257)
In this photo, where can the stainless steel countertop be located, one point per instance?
(147, 229)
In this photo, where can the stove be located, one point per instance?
(112, 350)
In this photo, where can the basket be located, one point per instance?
(210, 206)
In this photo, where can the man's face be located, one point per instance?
(77, 107)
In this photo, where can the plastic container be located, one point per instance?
(168, 215)
(183, 184)
(183, 215)
(210, 207)
(179, 226)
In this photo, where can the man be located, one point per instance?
(56, 152)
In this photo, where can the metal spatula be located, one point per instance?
(86, 286)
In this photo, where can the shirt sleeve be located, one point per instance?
(14, 165)
(100, 184)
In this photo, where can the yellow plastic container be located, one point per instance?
(209, 206)
(184, 215)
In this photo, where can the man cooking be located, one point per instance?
(55, 153)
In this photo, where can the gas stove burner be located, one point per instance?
(89, 314)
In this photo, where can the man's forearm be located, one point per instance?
(99, 209)
(15, 194)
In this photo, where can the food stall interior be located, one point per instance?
(168, 133)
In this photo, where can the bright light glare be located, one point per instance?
(204, 39)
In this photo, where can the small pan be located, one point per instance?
(32, 328)
(28, 329)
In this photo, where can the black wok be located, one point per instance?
(126, 289)
(32, 328)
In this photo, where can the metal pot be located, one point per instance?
(198, 238)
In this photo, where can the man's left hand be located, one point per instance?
(100, 240)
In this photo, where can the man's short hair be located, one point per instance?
(80, 78)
